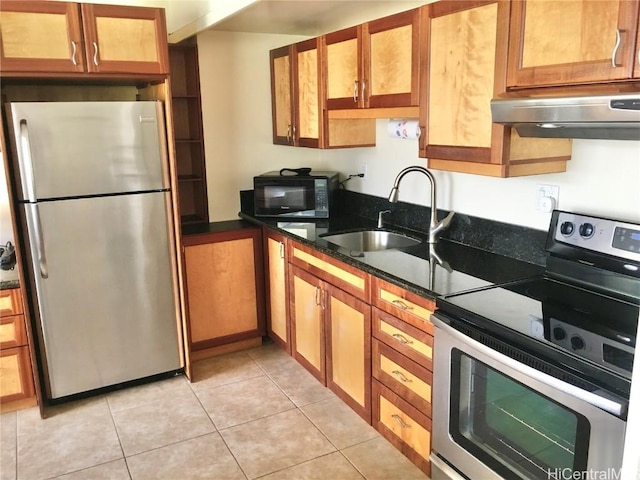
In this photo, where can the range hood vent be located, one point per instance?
(607, 117)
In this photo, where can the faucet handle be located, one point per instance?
(380, 213)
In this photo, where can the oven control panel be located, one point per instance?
(616, 355)
(600, 235)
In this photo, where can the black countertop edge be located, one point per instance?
(9, 284)
(216, 227)
(489, 267)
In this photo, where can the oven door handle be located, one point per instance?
(608, 405)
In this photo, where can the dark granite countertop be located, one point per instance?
(414, 268)
(8, 284)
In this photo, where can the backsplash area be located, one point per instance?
(513, 241)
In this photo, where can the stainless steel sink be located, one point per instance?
(371, 240)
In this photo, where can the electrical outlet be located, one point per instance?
(363, 171)
(547, 197)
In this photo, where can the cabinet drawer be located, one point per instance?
(10, 302)
(406, 339)
(403, 304)
(16, 380)
(405, 377)
(12, 331)
(348, 278)
(403, 425)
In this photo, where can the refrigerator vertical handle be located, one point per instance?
(26, 164)
(37, 241)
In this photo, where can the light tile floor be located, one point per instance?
(247, 415)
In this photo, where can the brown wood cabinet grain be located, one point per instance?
(331, 330)
(188, 133)
(455, 114)
(276, 288)
(374, 65)
(16, 378)
(571, 42)
(403, 425)
(224, 287)
(52, 38)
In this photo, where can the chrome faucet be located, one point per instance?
(380, 214)
(435, 227)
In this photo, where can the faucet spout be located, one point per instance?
(435, 227)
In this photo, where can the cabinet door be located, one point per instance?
(39, 36)
(307, 94)
(16, 380)
(391, 73)
(460, 86)
(307, 325)
(573, 41)
(348, 327)
(343, 69)
(281, 95)
(224, 288)
(276, 288)
(121, 39)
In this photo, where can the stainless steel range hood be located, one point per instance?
(608, 117)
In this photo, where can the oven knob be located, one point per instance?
(587, 230)
(567, 228)
(577, 343)
(559, 333)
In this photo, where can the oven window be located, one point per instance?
(510, 427)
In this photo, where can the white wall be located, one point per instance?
(236, 115)
(603, 178)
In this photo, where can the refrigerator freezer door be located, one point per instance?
(70, 149)
(106, 299)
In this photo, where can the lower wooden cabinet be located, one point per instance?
(276, 288)
(16, 377)
(403, 425)
(331, 337)
(225, 287)
(16, 380)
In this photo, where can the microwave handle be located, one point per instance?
(611, 406)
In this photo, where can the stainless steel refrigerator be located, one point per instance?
(94, 198)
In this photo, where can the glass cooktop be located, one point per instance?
(592, 333)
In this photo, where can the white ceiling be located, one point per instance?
(308, 17)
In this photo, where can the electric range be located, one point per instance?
(534, 375)
(582, 313)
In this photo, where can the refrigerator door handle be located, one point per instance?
(37, 239)
(26, 164)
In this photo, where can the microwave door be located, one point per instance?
(285, 200)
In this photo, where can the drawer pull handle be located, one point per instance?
(400, 422)
(401, 376)
(281, 250)
(95, 54)
(614, 54)
(402, 305)
(73, 54)
(401, 338)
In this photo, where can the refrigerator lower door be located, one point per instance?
(105, 292)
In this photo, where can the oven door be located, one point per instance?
(499, 418)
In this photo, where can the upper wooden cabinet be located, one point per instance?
(374, 65)
(295, 88)
(455, 113)
(571, 42)
(298, 114)
(62, 37)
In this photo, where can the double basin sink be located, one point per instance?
(371, 240)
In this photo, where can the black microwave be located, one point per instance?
(286, 195)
